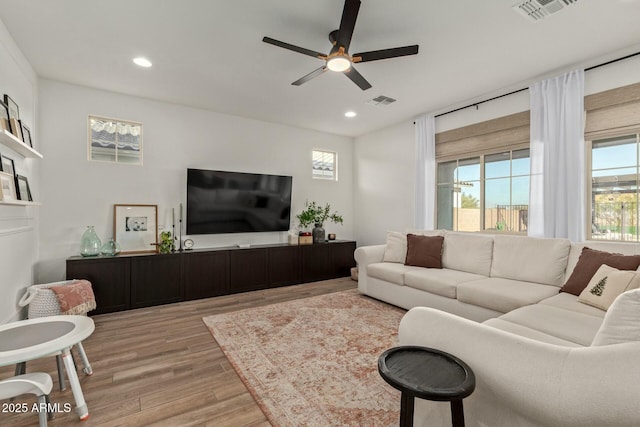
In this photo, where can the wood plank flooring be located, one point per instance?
(161, 366)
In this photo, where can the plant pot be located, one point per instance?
(318, 233)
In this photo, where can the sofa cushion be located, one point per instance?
(424, 251)
(621, 323)
(527, 332)
(589, 262)
(503, 295)
(389, 271)
(468, 252)
(606, 284)
(396, 249)
(568, 325)
(530, 259)
(570, 302)
(442, 282)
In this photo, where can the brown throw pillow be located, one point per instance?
(590, 261)
(424, 251)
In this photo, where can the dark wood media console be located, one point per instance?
(131, 281)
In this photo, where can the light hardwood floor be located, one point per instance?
(161, 366)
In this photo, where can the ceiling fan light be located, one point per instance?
(338, 63)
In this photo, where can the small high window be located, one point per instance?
(115, 141)
(325, 165)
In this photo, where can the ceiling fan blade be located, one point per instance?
(293, 48)
(357, 78)
(376, 55)
(347, 24)
(314, 73)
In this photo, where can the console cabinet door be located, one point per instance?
(316, 262)
(342, 258)
(109, 279)
(248, 270)
(205, 274)
(284, 266)
(155, 280)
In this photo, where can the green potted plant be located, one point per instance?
(317, 215)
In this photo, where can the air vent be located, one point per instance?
(381, 101)
(536, 10)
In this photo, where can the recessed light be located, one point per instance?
(350, 114)
(143, 62)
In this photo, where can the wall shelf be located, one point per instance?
(9, 140)
(19, 203)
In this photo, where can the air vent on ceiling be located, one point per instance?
(381, 101)
(536, 10)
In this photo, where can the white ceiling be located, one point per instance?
(209, 54)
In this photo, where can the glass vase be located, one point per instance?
(90, 243)
(111, 248)
(318, 233)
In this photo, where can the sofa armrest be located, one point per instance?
(364, 256)
(521, 381)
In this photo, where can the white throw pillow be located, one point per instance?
(396, 250)
(622, 322)
(606, 284)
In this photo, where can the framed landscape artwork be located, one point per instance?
(135, 227)
(7, 187)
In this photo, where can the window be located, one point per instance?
(115, 141)
(614, 188)
(325, 165)
(487, 192)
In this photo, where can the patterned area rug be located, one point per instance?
(314, 361)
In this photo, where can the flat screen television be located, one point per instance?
(235, 202)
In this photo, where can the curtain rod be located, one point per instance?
(475, 104)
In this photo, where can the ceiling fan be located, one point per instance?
(338, 58)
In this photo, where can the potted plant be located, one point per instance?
(317, 215)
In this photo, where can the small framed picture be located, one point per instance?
(26, 134)
(14, 111)
(8, 187)
(135, 227)
(23, 189)
(16, 130)
(4, 117)
(7, 165)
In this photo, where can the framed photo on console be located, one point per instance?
(23, 189)
(135, 227)
(7, 187)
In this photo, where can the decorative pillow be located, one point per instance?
(424, 251)
(589, 262)
(605, 286)
(396, 250)
(621, 323)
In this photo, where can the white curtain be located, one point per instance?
(425, 135)
(557, 192)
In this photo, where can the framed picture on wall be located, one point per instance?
(7, 187)
(7, 165)
(135, 227)
(22, 188)
(26, 134)
(4, 117)
(14, 111)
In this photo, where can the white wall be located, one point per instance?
(384, 160)
(18, 224)
(76, 192)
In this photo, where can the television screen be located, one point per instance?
(235, 202)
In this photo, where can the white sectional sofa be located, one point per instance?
(541, 357)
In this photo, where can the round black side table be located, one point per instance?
(429, 374)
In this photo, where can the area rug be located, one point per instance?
(313, 361)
